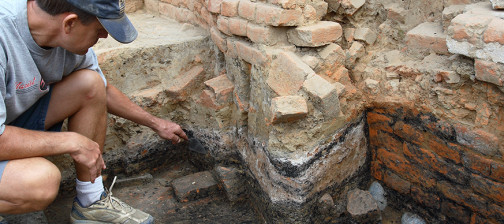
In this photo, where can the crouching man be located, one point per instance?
(48, 73)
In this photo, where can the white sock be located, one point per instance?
(88, 193)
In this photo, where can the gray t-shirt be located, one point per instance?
(26, 69)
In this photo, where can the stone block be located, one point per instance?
(249, 53)
(194, 186)
(315, 35)
(267, 35)
(489, 72)
(218, 39)
(362, 206)
(229, 8)
(238, 26)
(324, 94)
(288, 109)
(365, 34)
(497, 4)
(311, 61)
(332, 53)
(427, 36)
(287, 74)
(214, 6)
(356, 51)
(179, 88)
(247, 9)
(333, 5)
(222, 88)
(232, 181)
(276, 16)
(351, 6)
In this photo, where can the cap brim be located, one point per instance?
(120, 29)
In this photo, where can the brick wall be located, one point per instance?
(436, 164)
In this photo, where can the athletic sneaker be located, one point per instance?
(2, 220)
(108, 210)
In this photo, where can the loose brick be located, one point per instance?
(276, 16)
(222, 87)
(229, 8)
(332, 54)
(365, 34)
(396, 12)
(179, 88)
(231, 180)
(318, 34)
(288, 74)
(265, 34)
(488, 188)
(325, 95)
(495, 31)
(238, 26)
(428, 36)
(351, 6)
(247, 9)
(356, 51)
(214, 6)
(250, 54)
(497, 4)
(288, 109)
(218, 39)
(456, 212)
(425, 198)
(194, 186)
(397, 183)
(490, 72)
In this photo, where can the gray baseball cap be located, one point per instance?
(111, 15)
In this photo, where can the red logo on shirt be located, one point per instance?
(21, 85)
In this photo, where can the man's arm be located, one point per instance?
(120, 105)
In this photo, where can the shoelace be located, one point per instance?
(109, 200)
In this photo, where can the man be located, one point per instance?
(48, 72)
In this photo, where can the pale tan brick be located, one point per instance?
(238, 26)
(287, 74)
(247, 9)
(324, 95)
(356, 51)
(318, 34)
(265, 34)
(396, 12)
(152, 6)
(249, 53)
(179, 88)
(365, 34)
(427, 36)
(223, 25)
(229, 8)
(168, 10)
(351, 6)
(489, 72)
(495, 32)
(222, 88)
(288, 109)
(218, 39)
(276, 16)
(232, 51)
(214, 6)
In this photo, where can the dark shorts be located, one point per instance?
(33, 119)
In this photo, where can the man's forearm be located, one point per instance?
(17, 143)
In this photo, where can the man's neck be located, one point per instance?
(44, 28)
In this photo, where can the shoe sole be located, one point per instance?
(150, 220)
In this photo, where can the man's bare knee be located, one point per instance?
(90, 82)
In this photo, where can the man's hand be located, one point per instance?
(87, 156)
(170, 131)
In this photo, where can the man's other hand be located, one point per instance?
(87, 156)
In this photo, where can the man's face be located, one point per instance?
(82, 37)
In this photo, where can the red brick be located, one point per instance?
(488, 188)
(288, 74)
(497, 171)
(214, 6)
(377, 170)
(495, 31)
(477, 163)
(386, 141)
(315, 35)
(454, 211)
(373, 118)
(218, 39)
(397, 183)
(465, 26)
(264, 34)
(223, 25)
(425, 198)
(409, 133)
(180, 87)
(490, 72)
(238, 26)
(250, 54)
(288, 108)
(463, 196)
(276, 16)
(222, 88)
(229, 8)
(247, 9)
(207, 99)
(443, 150)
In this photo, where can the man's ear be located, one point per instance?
(69, 22)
